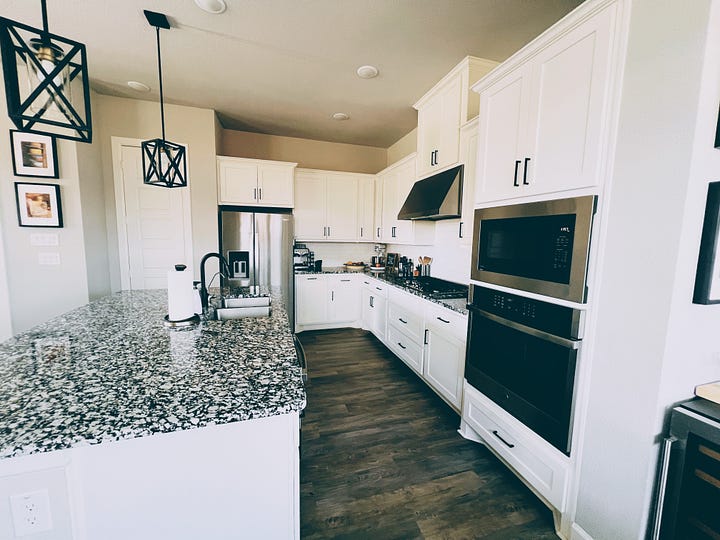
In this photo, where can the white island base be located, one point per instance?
(237, 480)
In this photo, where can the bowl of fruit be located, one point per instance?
(352, 266)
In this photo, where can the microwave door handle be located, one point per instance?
(557, 340)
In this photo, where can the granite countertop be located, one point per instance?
(111, 370)
(458, 305)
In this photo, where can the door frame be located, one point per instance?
(120, 211)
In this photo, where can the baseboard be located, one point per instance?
(578, 533)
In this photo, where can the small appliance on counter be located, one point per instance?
(303, 258)
(392, 262)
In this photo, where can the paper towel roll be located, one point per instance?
(180, 294)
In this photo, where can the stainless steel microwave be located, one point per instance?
(540, 247)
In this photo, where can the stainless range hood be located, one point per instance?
(436, 197)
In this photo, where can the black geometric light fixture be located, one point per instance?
(46, 81)
(163, 161)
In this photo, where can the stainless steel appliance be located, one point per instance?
(258, 246)
(436, 197)
(521, 353)
(541, 247)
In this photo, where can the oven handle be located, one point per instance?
(557, 340)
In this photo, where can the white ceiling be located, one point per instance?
(283, 67)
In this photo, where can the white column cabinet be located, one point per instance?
(366, 209)
(542, 120)
(255, 182)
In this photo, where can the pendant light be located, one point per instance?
(46, 81)
(163, 161)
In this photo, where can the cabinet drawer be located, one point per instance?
(408, 321)
(532, 460)
(407, 349)
(449, 321)
(378, 288)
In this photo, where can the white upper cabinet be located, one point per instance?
(255, 182)
(542, 119)
(332, 206)
(396, 181)
(441, 112)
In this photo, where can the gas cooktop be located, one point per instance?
(436, 288)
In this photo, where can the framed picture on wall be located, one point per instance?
(38, 205)
(33, 154)
(707, 278)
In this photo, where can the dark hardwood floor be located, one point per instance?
(381, 457)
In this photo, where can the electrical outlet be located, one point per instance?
(31, 513)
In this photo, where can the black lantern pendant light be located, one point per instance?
(163, 161)
(46, 81)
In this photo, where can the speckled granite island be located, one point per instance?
(129, 429)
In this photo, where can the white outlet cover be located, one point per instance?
(44, 239)
(31, 513)
(49, 259)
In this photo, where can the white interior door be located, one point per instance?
(154, 230)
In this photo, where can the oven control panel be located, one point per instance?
(553, 318)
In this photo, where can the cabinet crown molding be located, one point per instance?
(468, 64)
(254, 160)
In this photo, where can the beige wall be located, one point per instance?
(404, 146)
(5, 317)
(36, 293)
(121, 117)
(305, 152)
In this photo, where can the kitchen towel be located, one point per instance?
(181, 303)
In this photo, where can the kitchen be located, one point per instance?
(660, 165)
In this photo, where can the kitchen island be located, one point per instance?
(129, 429)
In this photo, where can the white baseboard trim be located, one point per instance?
(578, 533)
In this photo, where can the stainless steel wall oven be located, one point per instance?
(522, 354)
(541, 247)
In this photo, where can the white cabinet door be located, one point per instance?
(344, 299)
(309, 211)
(366, 311)
(501, 132)
(379, 205)
(276, 186)
(444, 364)
(311, 299)
(379, 317)
(565, 116)
(366, 209)
(438, 128)
(405, 178)
(237, 182)
(341, 208)
(542, 125)
(389, 206)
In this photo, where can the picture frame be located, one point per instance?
(707, 277)
(33, 155)
(38, 205)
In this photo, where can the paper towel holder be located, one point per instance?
(183, 323)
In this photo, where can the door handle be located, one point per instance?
(525, 182)
(515, 178)
(503, 440)
(425, 340)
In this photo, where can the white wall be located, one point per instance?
(5, 318)
(647, 270)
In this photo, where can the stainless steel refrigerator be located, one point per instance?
(257, 244)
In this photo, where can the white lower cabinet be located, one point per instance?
(445, 353)
(374, 307)
(405, 348)
(405, 328)
(542, 467)
(326, 301)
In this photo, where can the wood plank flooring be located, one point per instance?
(381, 457)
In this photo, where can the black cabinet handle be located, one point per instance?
(392, 232)
(366, 282)
(460, 231)
(260, 193)
(255, 194)
(503, 440)
(515, 178)
(332, 296)
(311, 278)
(443, 320)
(344, 280)
(402, 320)
(425, 340)
(378, 232)
(328, 231)
(371, 302)
(402, 346)
(433, 158)
(378, 288)
(361, 232)
(525, 182)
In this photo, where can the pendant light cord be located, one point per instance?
(162, 106)
(43, 4)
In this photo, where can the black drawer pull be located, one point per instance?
(344, 280)
(402, 320)
(515, 178)
(443, 320)
(366, 282)
(311, 278)
(402, 346)
(525, 182)
(378, 288)
(503, 440)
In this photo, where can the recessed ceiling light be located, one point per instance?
(212, 6)
(140, 87)
(367, 72)
(340, 116)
